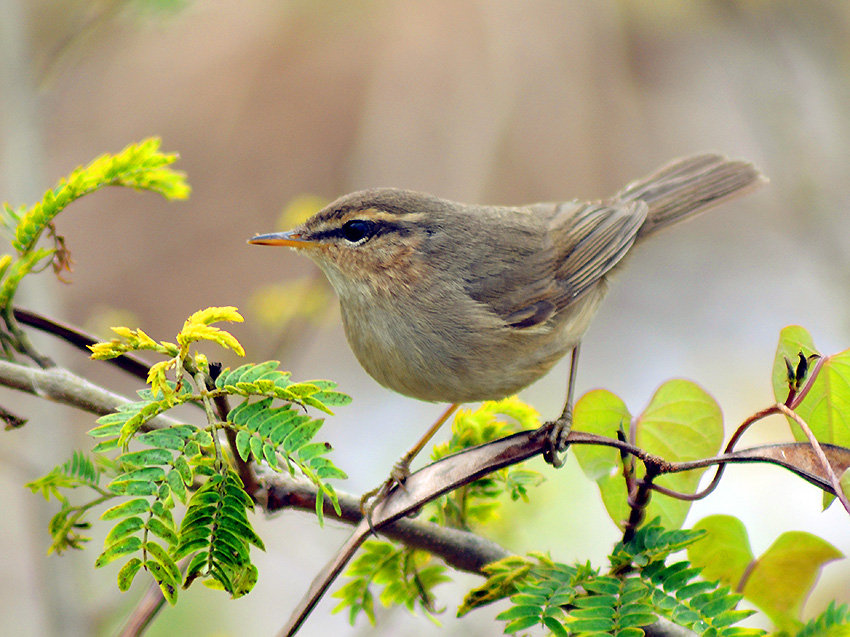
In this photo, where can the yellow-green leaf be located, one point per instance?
(201, 332)
(785, 574)
(724, 552)
(121, 530)
(600, 412)
(158, 380)
(826, 408)
(127, 508)
(128, 573)
(215, 315)
(682, 422)
(127, 545)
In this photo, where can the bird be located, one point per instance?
(457, 303)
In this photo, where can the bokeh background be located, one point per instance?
(494, 102)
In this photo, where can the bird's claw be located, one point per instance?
(556, 439)
(371, 499)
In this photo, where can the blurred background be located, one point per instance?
(271, 101)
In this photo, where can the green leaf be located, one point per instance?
(300, 436)
(163, 579)
(126, 546)
(106, 445)
(149, 474)
(244, 411)
(197, 565)
(130, 507)
(260, 423)
(124, 528)
(270, 455)
(134, 487)
(190, 546)
(724, 552)
(256, 445)
(163, 438)
(176, 484)
(603, 413)
(128, 573)
(163, 531)
(183, 468)
(284, 423)
(108, 429)
(170, 566)
(555, 627)
(518, 611)
(243, 444)
(302, 389)
(146, 457)
(826, 408)
(591, 625)
(313, 450)
(681, 423)
(231, 376)
(785, 574)
(254, 372)
(332, 398)
(521, 624)
(310, 401)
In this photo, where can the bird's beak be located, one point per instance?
(290, 239)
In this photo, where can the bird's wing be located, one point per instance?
(576, 245)
(589, 240)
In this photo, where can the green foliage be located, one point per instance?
(121, 425)
(160, 467)
(778, 582)
(826, 408)
(479, 502)
(405, 576)
(264, 379)
(639, 589)
(682, 422)
(264, 432)
(66, 525)
(399, 570)
(833, 622)
(79, 471)
(151, 480)
(217, 534)
(139, 166)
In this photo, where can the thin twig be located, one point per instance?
(721, 467)
(79, 339)
(21, 342)
(834, 480)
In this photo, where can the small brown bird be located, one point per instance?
(449, 302)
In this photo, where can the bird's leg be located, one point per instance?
(401, 469)
(561, 427)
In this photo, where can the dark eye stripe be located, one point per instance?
(358, 230)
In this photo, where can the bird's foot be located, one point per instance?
(371, 499)
(556, 439)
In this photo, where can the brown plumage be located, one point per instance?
(457, 303)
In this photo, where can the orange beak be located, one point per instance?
(289, 239)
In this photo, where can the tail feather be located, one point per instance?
(687, 186)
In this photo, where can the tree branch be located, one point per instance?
(62, 386)
(462, 550)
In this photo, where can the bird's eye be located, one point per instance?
(356, 230)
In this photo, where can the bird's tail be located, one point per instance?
(687, 186)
